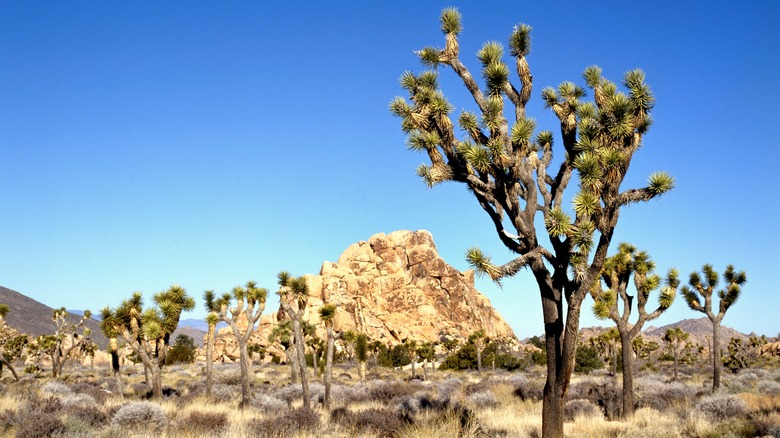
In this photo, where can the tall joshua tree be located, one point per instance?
(616, 275)
(243, 302)
(148, 331)
(506, 168)
(296, 290)
(699, 290)
(327, 313)
(212, 318)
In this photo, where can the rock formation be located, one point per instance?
(392, 287)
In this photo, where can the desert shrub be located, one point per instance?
(78, 400)
(97, 393)
(89, 415)
(344, 395)
(294, 422)
(377, 422)
(722, 406)
(529, 391)
(47, 405)
(483, 385)
(182, 351)
(385, 391)
(56, 388)
(289, 393)
(445, 389)
(228, 376)
(587, 359)
(38, 424)
(484, 398)
(140, 389)
(579, 408)
(223, 393)
(7, 419)
(662, 396)
(141, 415)
(419, 401)
(269, 403)
(601, 392)
(768, 387)
(204, 423)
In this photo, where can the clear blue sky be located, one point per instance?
(209, 143)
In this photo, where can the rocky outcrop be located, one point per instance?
(393, 287)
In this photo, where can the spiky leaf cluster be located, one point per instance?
(699, 291)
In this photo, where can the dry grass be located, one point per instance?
(451, 404)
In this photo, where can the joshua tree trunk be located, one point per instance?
(210, 360)
(292, 359)
(315, 362)
(716, 360)
(328, 367)
(9, 366)
(244, 361)
(425, 369)
(362, 370)
(301, 360)
(628, 375)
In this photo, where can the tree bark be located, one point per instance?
(9, 366)
(301, 360)
(716, 360)
(244, 364)
(328, 367)
(209, 360)
(628, 376)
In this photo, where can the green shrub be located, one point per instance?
(587, 359)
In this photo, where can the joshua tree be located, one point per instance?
(616, 275)
(6, 338)
(361, 354)
(426, 352)
(643, 349)
(282, 333)
(296, 290)
(675, 339)
(327, 313)
(480, 341)
(606, 344)
(728, 296)
(148, 331)
(212, 318)
(410, 345)
(56, 345)
(506, 169)
(317, 346)
(249, 305)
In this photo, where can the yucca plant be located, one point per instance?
(508, 166)
(327, 314)
(612, 300)
(212, 318)
(698, 290)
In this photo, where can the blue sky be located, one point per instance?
(209, 143)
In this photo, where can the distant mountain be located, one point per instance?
(700, 330)
(34, 318)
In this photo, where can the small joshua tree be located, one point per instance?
(212, 318)
(616, 275)
(675, 339)
(327, 313)
(296, 290)
(282, 333)
(249, 303)
(480, 341)
(361, 354)
(6, 338)
(56, 345)
(699, 290)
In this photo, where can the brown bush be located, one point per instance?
(294, 422)
(379, 422)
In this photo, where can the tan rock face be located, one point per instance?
(395, 287)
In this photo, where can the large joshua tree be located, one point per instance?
(249, 303)
(148, 331)
(616, 275)
(699, 290)
(505, 166)
(296, 290)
